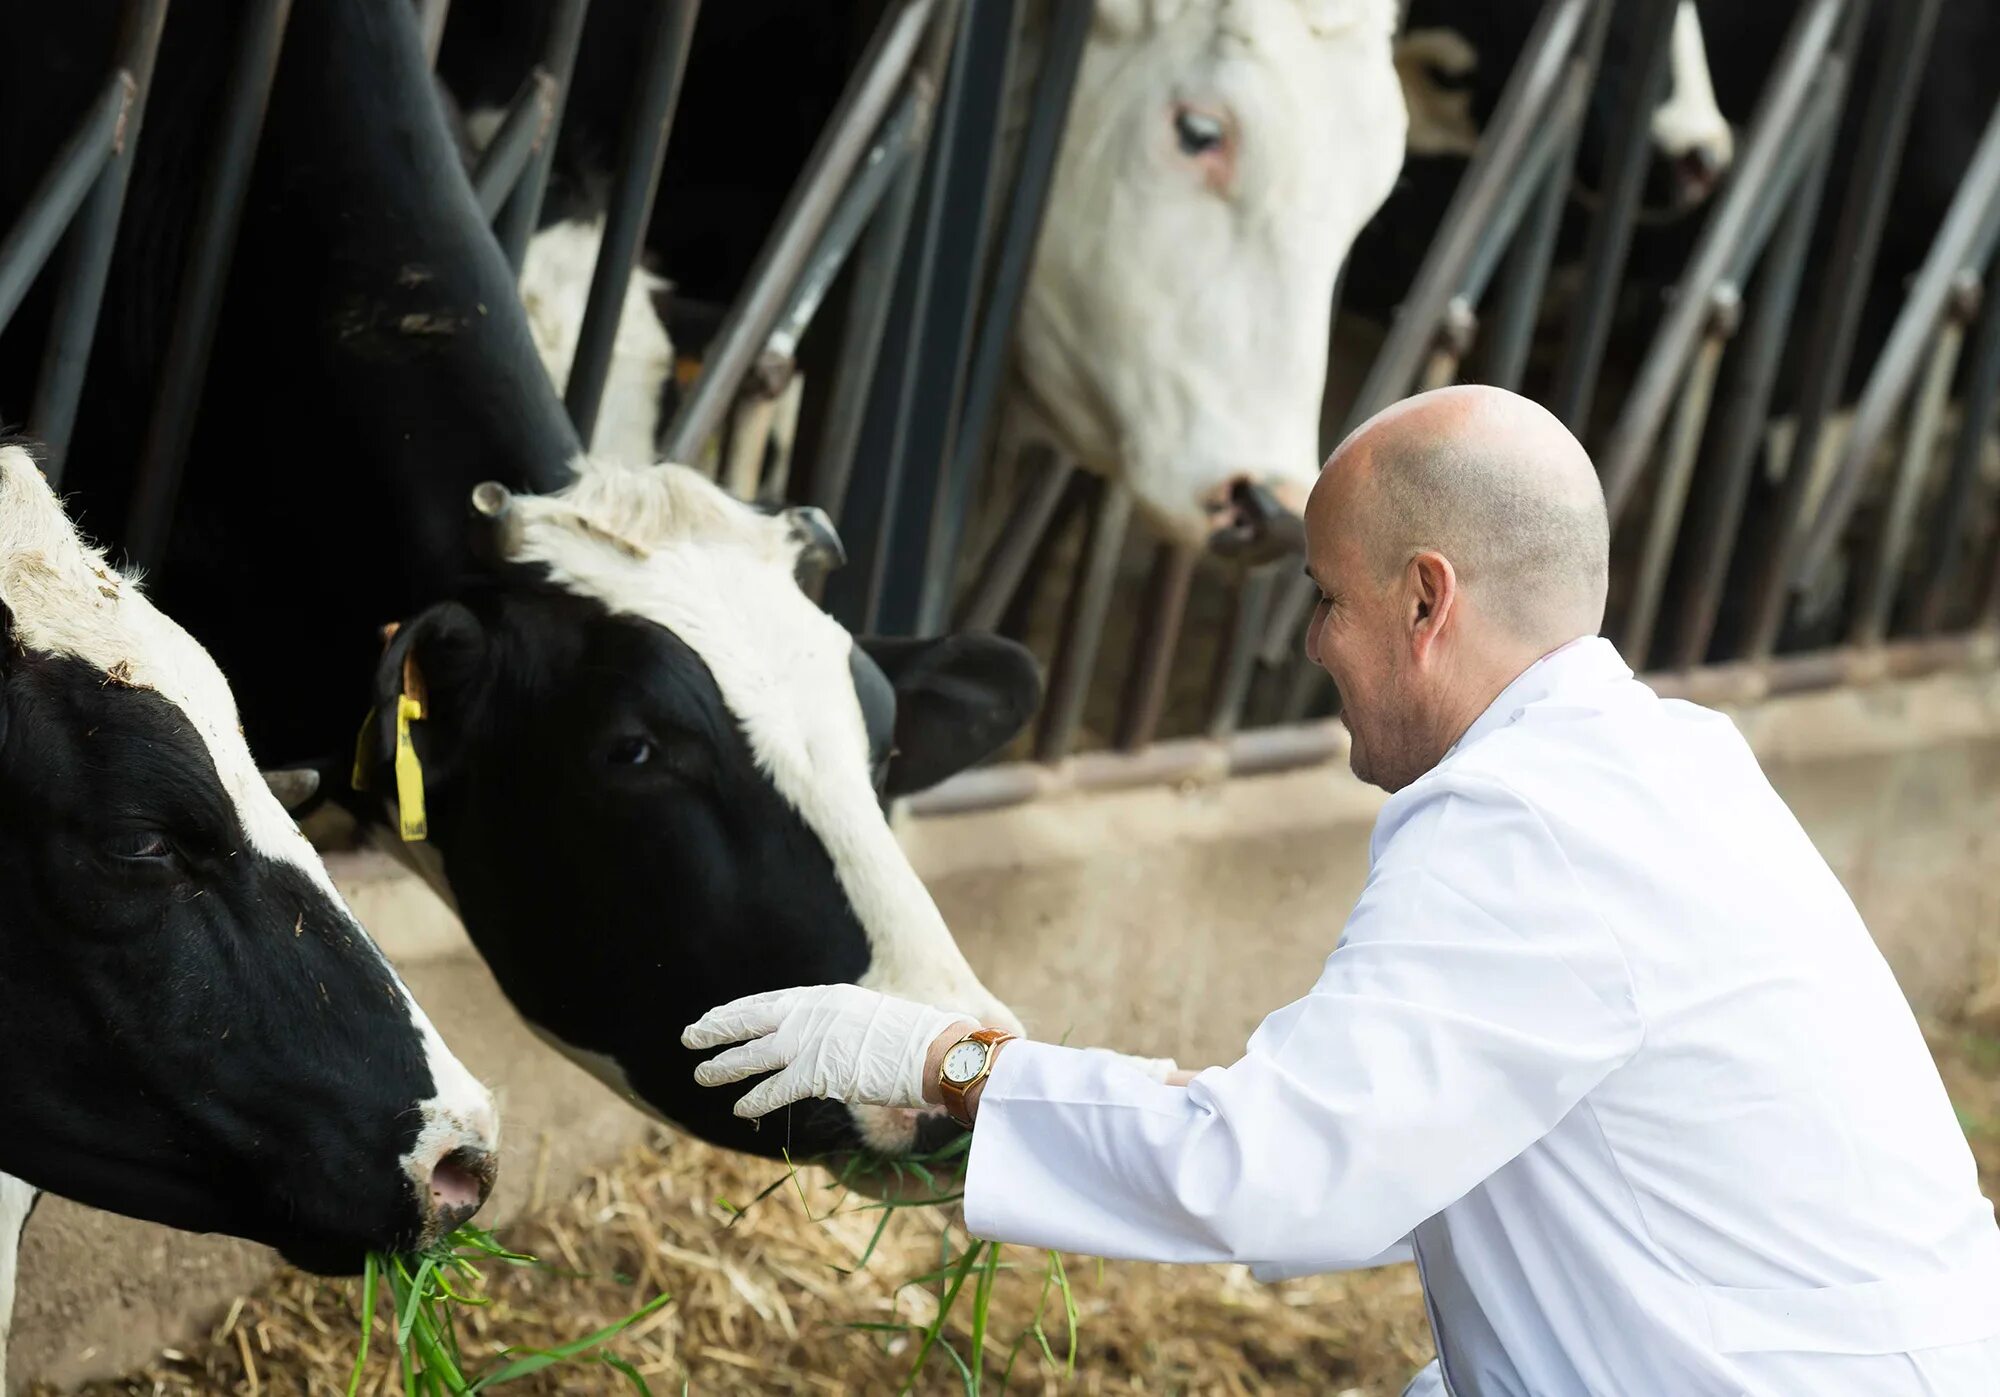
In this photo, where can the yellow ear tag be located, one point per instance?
(409, 773)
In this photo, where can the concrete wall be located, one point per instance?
(1161, 921)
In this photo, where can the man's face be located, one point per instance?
(1361, 636)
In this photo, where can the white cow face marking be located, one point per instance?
(1220, 159)
(644, 697)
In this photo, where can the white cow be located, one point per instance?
(1221, 155)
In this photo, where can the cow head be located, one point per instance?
(652, 772)
(193, 1029)
(1219, 161)
(1455, 56)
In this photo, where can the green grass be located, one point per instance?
(424, 1290)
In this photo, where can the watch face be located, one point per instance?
(963, 1062)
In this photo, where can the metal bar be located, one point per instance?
(1301, 747)
(1048, 119)
(522, 212)
(1663, 526)
(1007, 561)
(1829, 336)
(866, 326)
(217, 219)
(1239, 650)
(955, 264)
(1965, 242)
(92, 238)
(1519, 303)
(1746, 402)
(1947, 538)
(901, 135)
(854, 593)
(1151, 666)
(1083, 623)
(1778, 112)
(843, 143)
(1885, 570)
(431, 17)
(48, 211)
(1539, 166)
(1530, 89)
(630, 212)
(521, 132)
(1629, 155)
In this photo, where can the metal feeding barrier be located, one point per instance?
(917, 213)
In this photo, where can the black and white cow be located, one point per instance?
(193, 1028)
(684, 783)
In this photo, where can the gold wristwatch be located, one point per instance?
(966, 1064)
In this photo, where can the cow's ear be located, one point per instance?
(959, 699)
(439, 659)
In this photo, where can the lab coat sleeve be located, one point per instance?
(1474, 998)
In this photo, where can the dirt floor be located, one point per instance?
(770, 1296)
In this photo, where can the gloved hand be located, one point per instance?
(831, 1042)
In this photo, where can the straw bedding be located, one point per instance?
(766, 1295)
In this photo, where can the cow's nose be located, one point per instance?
(1696, 173)
(460, 1183)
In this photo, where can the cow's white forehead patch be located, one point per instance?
(666, 545)
(67, 600)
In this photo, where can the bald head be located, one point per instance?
(1496, 484)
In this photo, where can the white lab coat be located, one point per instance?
(1606, 1046)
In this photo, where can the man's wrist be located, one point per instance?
(934, 1058)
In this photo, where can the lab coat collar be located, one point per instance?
(1587, 659)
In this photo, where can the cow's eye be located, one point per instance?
(631, 751)
(1199, 132)
(145, 847)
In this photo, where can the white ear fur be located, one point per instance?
(1328, 17)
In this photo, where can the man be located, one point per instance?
(1604, 1045)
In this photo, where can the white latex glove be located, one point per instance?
(826, 1042)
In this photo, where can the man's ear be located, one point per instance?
(1435, 586)
(959, 699)
(439, 658)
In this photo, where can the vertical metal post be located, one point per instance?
(1152, 661)
(1048, 120)
(969, 133)
(217, 218)
(1663, 526)
(631, 209)
(1829, 335)
(1947, 540)
(1083, 623)
(1877, 594)
(523, 209)
(1629, 155)
(1746, 402)
(92, 238)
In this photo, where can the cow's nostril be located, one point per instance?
(459, 1186)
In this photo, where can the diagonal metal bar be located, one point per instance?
(92, 239)
(1722, 239)
(1829, 335)
(1982, 392)
(523, 209)
(217, 218)
(50, 209)
(1964, 243)
(834, 158)
(522, 131)
(1630, 154)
